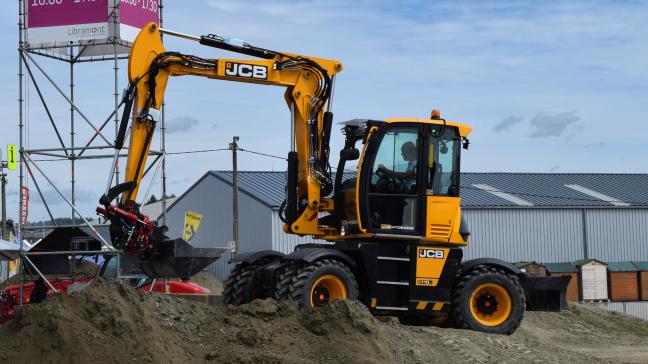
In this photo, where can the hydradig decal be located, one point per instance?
(246, 70)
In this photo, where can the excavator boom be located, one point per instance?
(308, 82)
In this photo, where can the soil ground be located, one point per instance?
(111, 322)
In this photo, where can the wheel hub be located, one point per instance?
(490, 304)
(321, 296)
(325, 289)
(486, 304)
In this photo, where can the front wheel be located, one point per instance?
(490, 300)
(319, 283)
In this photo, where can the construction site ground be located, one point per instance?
(112, 322)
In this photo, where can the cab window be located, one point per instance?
(393, 190)
(443, 161)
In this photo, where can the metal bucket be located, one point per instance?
(178, 259)
(546, 293)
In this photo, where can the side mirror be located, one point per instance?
(453, 191)
(349, 154)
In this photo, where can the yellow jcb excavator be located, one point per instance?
(395, 226)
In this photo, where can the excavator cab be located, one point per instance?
(408, 181)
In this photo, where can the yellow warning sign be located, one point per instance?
(191, 224)
(11, 157)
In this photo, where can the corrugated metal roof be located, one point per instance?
(578, 263)
(524, 264)
(621, 267)
(561, 268)
(541, 189)
(643, 266)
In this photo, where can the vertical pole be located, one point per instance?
(116, 94)
(21, 26)
(235, 222)
(3, 181)
(72, 151)
(585, 242)
(163, 137)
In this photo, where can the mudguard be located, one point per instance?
(506, 266)
(252, 257)
(310, 255)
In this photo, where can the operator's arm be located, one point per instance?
(402, 175)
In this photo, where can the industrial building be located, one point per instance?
(543, 217)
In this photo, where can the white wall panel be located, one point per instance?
(543, 235)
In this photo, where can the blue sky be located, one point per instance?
(548, 86)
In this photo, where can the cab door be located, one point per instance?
(392, 182)
(442, 183)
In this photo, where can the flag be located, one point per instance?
(191, 224)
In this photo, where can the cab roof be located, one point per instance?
(464, 129)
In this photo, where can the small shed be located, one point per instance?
(623, 281)
(533, 269)
(592, 275)
(643, 279)
(566, 269)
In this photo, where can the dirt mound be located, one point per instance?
(207, 280)
(110, 322)
(107, 321)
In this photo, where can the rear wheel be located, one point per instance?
(239, 286)
(319, 283)
(490, 300)
(284, 280)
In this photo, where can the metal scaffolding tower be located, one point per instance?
(73, 149)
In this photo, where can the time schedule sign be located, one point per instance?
(59, 22)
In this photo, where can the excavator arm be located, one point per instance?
(309, 86)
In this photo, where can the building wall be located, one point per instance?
(643, 276)
(617, 234)
(636, 309)
(594, 281)
(213, 199)
(558, 235)
(542, 235)
(624, 286)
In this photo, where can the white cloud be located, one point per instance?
(507, 123)
(180, 124)
(552, 125)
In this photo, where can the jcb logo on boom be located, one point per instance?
(431, 253)
(246, 70)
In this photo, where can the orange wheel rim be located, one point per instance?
(490, 304)
(326, 289)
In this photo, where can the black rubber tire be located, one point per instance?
(303, 280)
(469, 281)
(239, 285)
(284, 280)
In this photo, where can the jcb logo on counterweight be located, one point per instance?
(431, 253)
(246, 70)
